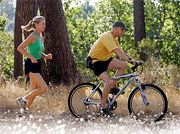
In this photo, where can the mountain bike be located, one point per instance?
(147, 102)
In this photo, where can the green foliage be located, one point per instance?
(147, 49)
(6, 50)
(3, 21)
(81, 33)
(6, 54)
(163, 26)
(8, 7)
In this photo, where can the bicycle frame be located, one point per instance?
(132, 77)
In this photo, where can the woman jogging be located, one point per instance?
(35, 47)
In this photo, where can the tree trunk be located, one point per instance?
(139, 24)
(61, 69)
(18, 62)
(25, 11)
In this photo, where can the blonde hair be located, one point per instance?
(31, 25)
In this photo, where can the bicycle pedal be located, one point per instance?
(114, 90)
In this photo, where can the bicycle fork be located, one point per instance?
(142, 92)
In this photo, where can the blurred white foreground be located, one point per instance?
(65, 123)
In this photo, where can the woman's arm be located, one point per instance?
(46, 56)
(21, 48)
(43, 56)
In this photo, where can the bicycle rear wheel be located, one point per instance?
(157, 107)
(77, 105)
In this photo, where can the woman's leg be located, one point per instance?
(36, 79)
(32, 87)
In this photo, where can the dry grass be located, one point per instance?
(168, 79)
(55, 100)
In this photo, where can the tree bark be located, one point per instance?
(18, 62)
(25, 11)
(61, 69)
(139, 24)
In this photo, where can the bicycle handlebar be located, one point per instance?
(137, 64)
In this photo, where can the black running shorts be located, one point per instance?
(32, 67)
(101, 66)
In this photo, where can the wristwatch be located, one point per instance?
(130, 60)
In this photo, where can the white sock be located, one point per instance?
(24, 99)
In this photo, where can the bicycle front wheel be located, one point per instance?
(157, 107)
(79, 105)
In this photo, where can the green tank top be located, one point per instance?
(36, 48)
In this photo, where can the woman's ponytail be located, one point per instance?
(29, 26)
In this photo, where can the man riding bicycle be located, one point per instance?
(101, 53)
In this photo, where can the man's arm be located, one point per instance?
(123, 55)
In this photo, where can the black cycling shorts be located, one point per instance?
(101, 66)
(32, 67)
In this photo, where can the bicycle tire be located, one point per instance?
(158, 103)
(77, 94)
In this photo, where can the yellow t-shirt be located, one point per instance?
(103, 47)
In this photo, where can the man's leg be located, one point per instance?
(107, 79)
(121, 67)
